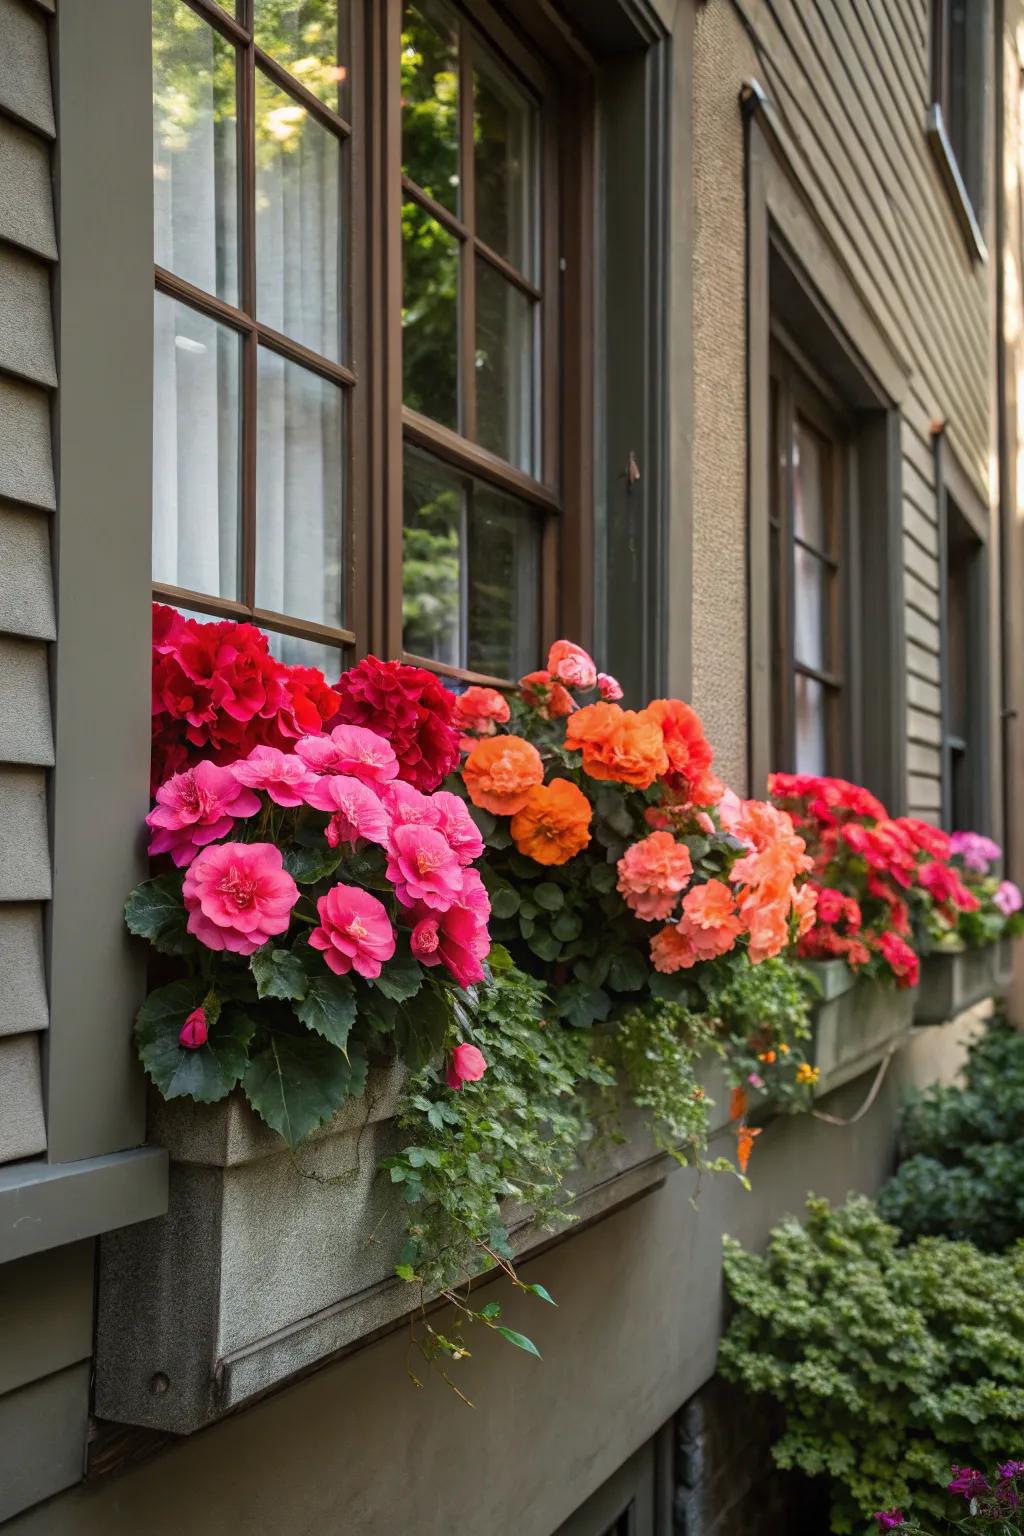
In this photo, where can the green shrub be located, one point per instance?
(890, 1362)
(963, 1146)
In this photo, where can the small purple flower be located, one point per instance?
(967, 1483)
(889, 1519)
(1010, 1469)
(975, 851)
(755, 1080)
(1008, 898)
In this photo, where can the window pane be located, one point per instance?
(505, 372)
(329, 659)
(299, 492)
(812, 610)
(309, 40)
(430, 101)
(471, 572)
(430, 324)
(195, 187)
(811, 726)
(505, 161)
(504, 583)
(811, 465)
(298, 229)
(433, 560)
(195, 451)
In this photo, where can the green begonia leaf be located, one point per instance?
(308, 865)
(401, 978)
(278, 973)
(549, 896)
(329, 1008)
(298, 1082)
(206, 1074)
(155, 911)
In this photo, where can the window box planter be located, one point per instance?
(270, 1260)
(952, 980)
(856, 1022)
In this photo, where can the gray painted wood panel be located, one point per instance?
(42, 1438)
(26, 316)
(26, 577)
(23, 1005)
(25, 733)
(45, 1313)
(26, 193)
(26, 454)
(25, 65)
(22, 1131)
(24, 859)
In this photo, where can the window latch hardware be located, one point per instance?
(632, 470)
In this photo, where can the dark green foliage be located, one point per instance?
(963, 1148)
(890, 1362)
(655, 1051)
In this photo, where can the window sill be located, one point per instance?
(45, 1205)
(935, 130)
(954, 981)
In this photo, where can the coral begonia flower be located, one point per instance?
(481, 710)
(688, 751)
(283, 775)
(423, 867)
(571, 665)
(238, 895)
(195, 808)
(355, 932)
(554, 824)
(609, 687)
(499, 773)
(546, 695)
(652, 872)
(467, 1065)
(355, 809)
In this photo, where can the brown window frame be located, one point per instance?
(799, 394)
(562, 75)
(959, 146)
(254, 333)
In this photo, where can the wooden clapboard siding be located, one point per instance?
(850, 86)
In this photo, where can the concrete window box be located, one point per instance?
(954, 980)
(270, 1260)
(856, 1022)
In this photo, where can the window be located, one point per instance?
(253, 381)
(810, 603)
(965, 669)
(478, 344)
(956, 124)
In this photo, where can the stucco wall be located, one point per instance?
(721, 61)
(358, 1449)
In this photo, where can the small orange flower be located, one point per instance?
(622, 745)
(768, 1056)
(481, 710)
(738, 1104)
(500, 772)
(554, 823)
(744, 1144)
(547, 695)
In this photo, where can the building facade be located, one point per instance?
(691, 330)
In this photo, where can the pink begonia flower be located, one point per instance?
(975, 850)
(652, 872)
(238, 895)
(609, 687)
(355, 931)
(452, 817)
(467, 1065)
(571, 665)
(195, 1031)
(356, 809)
(422, 866)
(408, 806)
(195, 808)
(1008, 898)
(283, 775)
(350, 749)
(457, 938)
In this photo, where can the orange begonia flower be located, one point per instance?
(744, 1143)
(688, 750)
(554, 824)
(738, 1104)
(547, 695)
(500, 772)
(622, 745)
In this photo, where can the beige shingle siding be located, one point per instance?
(27, 623)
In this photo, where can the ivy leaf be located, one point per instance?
(518, 1339)
(299, 1081)
(549, 896)
(329, 1008)
(308, 865)
(545, 1295)
(278, 973)
(581, 1008)
(207, 1074)
(401, 978)
(155, 911)
(628, 971)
